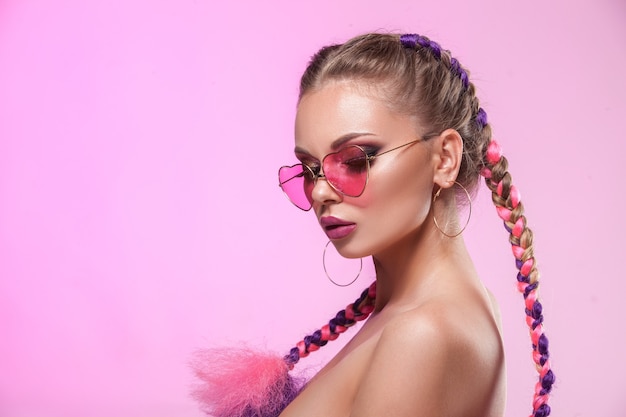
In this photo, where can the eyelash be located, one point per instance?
(370, 151)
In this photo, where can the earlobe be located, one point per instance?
(449, 149)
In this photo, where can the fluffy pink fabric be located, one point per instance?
(243, 383)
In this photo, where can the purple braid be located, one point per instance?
(357, 311)
(510, 209)
(413, 41)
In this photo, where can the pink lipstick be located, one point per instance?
(336, 228)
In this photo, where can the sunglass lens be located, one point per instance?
(295, 181)
(346, 170)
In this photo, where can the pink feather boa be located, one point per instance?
(240, 382)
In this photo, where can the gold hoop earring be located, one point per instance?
(469, 200)
(328, 275)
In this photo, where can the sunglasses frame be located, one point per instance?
(319, 175)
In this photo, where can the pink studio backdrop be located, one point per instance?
(140, 216)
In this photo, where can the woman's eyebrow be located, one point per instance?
(337, 143)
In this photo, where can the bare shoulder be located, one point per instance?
(436, 338)
(435, 360)
(426, 332)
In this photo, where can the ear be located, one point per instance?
(448, 153)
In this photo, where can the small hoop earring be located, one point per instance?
(328, 275)
(469, 200)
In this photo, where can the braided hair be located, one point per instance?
(413, 75)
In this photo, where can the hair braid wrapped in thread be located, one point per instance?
(506, 198)
(357, 311)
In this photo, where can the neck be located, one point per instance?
(405, 271)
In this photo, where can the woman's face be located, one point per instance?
(398, 194)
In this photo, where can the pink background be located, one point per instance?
(140, 217)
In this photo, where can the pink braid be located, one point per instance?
(510, 209)
(357, 311)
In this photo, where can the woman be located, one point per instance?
(391, 140)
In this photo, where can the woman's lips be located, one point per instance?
(336, 228)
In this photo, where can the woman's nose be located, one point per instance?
(323, 192)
